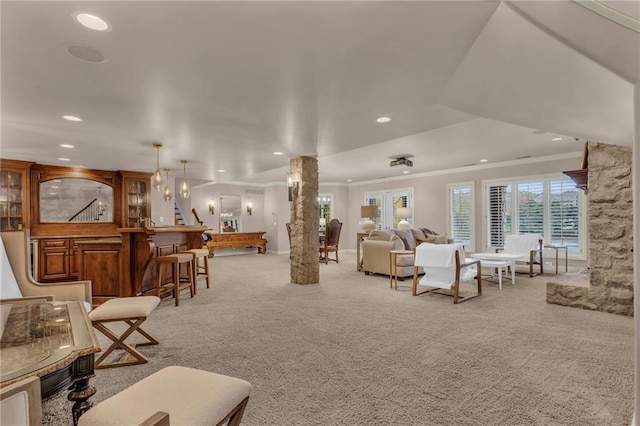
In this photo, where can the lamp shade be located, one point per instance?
(368, 211)
(403, 212)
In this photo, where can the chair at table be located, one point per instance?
(17, 280)
(331, 240)
(528, 247)
(445, 267)
(20, 403)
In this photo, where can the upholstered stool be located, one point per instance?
(190, 396)
(176, 285)
(198, 269)
(133, 311)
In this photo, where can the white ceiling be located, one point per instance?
(225, 84)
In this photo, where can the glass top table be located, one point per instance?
(52, 340)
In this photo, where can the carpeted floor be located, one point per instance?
(351, 351)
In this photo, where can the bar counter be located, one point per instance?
(126, 267)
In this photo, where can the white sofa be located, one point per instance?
(376, 248)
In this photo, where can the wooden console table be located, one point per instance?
(222, 240)
(52, 340)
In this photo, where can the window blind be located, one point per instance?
(460, 199)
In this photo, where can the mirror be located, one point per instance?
(230, 213)
(75, 200)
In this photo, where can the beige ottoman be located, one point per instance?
(132, 311)
(190, 397)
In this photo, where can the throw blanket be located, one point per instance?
(439, 263)
(521, 244)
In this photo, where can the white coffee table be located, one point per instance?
(499, 261)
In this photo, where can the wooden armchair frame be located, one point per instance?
(532, 258)
(455, 286)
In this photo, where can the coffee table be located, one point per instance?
(499, 261)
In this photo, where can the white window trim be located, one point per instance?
(472, 218)
(386, 192)
(582, 199)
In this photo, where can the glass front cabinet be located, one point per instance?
(136, 196)
(14, 202)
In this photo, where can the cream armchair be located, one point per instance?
(376, 248)
(17, 280)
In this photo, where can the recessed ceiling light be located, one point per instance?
(63, 159)
(55, 186)
(52, 193)
(277, 153)
(92, 22)
(66, 145)
(349, 180)
(383, 119)
(484, 160)
(221, 171)
(406, 172)
(556, 139)
(57, 180)
(71, 118)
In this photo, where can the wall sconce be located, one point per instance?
(212, 207)
(250, 208)
(293, 186)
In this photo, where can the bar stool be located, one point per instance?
(199, 270)
(177, 285)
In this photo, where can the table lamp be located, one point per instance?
(403, 213)
(368, 213)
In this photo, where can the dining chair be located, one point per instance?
(331, 240)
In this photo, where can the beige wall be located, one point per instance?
(430, 192)
(271, 209)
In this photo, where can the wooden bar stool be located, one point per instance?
(198, 269)
(176, 285)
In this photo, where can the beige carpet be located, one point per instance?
(351, 351)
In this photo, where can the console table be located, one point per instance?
(220, 240)
(52, 340)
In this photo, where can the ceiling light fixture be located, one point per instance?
(167, 195)
(66, 145)
(71, 118)
(278, 153)
(63, 159)
(349, 180)
(92, 22)
(401, 162)
(484, 160)
(406, 172)
(222, 171)
(185, 191)
(556, 139)
(383, 119)
(157, 181)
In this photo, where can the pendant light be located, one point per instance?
(185, 191)
(156, 180)
(167, 195)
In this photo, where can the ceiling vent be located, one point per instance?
(401, 162)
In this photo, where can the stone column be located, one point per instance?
(305, 267)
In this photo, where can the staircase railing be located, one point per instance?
(89, 213)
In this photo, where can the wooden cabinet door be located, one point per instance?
(136, 196)
(14, 202)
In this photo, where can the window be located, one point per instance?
(550, 206)
(461, 220)
(387, 203)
